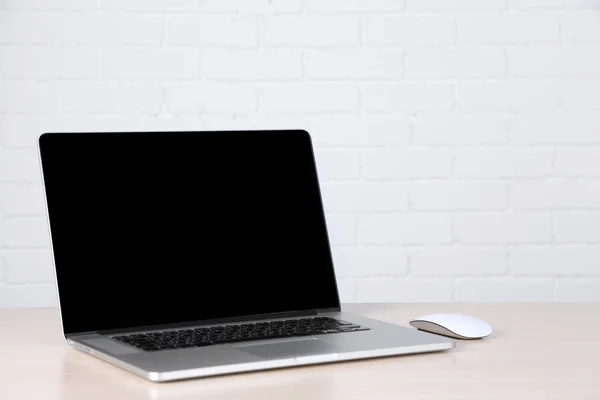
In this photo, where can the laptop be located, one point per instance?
(193, 254)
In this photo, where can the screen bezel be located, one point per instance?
(44, 137)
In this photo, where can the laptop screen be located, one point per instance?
(152, 228)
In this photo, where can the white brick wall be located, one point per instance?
(458, 142)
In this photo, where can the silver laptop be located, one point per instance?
(194, 254)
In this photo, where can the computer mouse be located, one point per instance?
(456, 326)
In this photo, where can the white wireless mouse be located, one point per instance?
(453, 325)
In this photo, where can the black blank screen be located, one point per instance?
(165, 227)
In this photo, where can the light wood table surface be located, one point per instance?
(537, 351)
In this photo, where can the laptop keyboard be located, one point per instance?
(198, 337)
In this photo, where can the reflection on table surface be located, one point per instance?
(81, 374)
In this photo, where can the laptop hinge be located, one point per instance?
(247, 318)
(327, 310)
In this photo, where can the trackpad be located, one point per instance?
(290, 349)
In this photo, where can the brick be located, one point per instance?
(21, 132)
(551, 4)
(555, 194)
(49, 63)
(578, 161)
(270, 65)
(26, 62)
(149, 5)
(156, 123)
(109, 30)
(342, 230)
(458, 261)
(347, 288)
(554, 61)
(310, 98)
(111, 98)
(456, 63)
(513, 95)
(22, 199)
(254, 121)
(578, 227)
(456, 5)
(338, 164)
(76, 64)
(580, 95)
(360, 130)
(354, 64)
(67, 5)
(508, 28)
(149, 64)
(407, 290)
(358, 6)
(389, 164)
(327, 131)
(132, 122)
(405, 228)
(517, 162)
(219, 98)
(16, 27)
(231, 31)
(555, 128)
(407, 97)
(504, 290)
(580, 27)
(555, 260)
(408, 30)
(251, 6)
(504, 228)
(364, 197)
(370, 261)
(24, 233)
(26, 296)
(19, 165)
(458, 195)
(31, 266)
(21, 97)
(310, 31)
(460, 129)
(578, 290)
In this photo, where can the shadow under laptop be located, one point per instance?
(85, 377)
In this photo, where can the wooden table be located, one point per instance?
(537, 351)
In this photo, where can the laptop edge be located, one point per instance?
(379, 340)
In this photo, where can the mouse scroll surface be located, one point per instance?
(453, 325)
